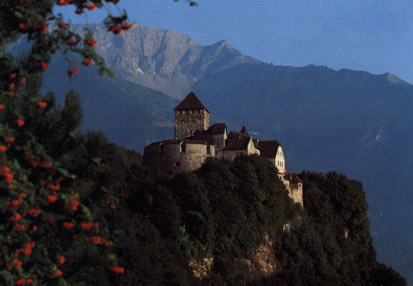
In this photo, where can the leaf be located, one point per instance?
(18, 14)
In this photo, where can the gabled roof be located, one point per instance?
(237, 135)
(191, 101)
(237, 143)
(242, 134)
(217, 128)
(268, 148)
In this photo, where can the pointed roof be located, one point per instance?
(191, 101)
(242, 134)
(244, 131)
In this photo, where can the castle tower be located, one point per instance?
(190, 116)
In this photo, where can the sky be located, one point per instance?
(370, 35)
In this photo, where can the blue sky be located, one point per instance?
(370, 35)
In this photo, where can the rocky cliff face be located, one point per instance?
(261, 263)
(163, 60)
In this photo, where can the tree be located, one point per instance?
(41, 216)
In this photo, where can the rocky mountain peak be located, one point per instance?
(395, 80)
(163, 60)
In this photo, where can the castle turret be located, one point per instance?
(190, 116)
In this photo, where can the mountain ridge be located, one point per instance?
(163, 60)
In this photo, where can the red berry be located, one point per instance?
(51, 198)
(20, 122)
(91, 6)
(61, 259)
(44, 65)
(92, 42)
(87, 62)
(41, 104)
(126, 26)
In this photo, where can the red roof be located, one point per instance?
(191, 101)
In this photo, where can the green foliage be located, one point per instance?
(223, 211)
(41, 216)
(227, 208)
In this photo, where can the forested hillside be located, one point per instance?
(354, 122)
(222, 211)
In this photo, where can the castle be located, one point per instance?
(195, 141)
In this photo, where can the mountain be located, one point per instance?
(129, 114)
(351, 121)
(163, 60)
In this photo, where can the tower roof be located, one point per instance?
(244, 131)
(191, 101)
(242, 134)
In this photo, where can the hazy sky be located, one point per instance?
(370, 35)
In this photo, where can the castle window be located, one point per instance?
(177, 164)
(183, 111)
(182, 148)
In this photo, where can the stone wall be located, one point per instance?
(218, 140)
(232, 154)
(295, 191)
(189, 121)
(173, 158)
